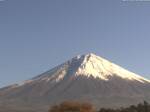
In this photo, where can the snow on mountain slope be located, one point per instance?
(88, 65)
(98, 67)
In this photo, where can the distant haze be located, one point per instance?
(36, 35)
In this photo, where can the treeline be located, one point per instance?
(69, 106)
(141, 107)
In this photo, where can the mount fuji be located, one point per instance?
(87, 78)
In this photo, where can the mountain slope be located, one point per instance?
(85, 78)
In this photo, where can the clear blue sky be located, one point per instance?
(36, 35)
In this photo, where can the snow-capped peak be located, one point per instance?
(98, 67)
(89, 65)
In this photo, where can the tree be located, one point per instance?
(71, 106)
(146, 106)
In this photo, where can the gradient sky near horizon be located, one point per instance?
(36, 35)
